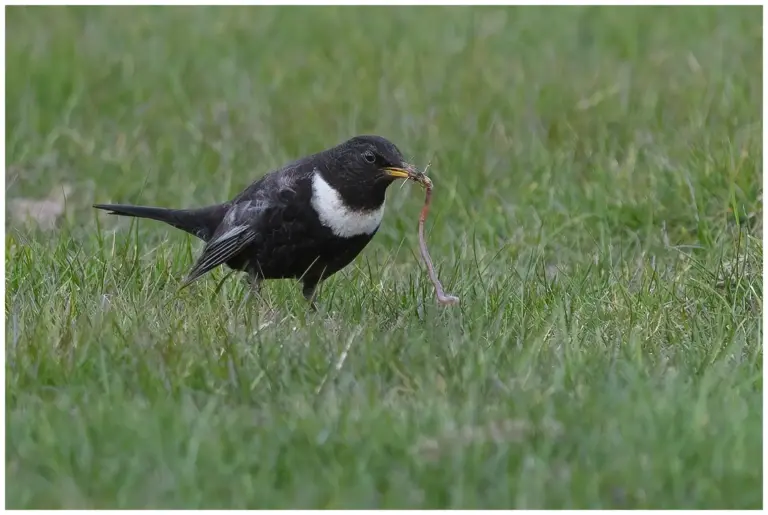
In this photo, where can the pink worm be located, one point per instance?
(442, 297)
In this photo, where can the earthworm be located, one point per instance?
(442, 297)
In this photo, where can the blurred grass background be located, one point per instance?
(597, 207)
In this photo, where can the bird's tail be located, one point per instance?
(198, 222)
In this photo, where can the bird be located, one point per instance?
(304, 221)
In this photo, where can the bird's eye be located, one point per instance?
(369, 156)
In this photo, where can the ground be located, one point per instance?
(597, 208)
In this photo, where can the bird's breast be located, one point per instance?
(335, 214)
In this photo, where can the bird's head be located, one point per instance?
(363, 167)
(378, 159)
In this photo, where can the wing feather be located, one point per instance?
(244, 222)
(220, 250)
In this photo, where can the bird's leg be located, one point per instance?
(309, 290)
(253, 281)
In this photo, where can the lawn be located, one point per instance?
(597, 207)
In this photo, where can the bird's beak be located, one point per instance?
(408, 171)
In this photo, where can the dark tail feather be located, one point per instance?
(198, 222)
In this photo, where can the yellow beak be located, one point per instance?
(401, 173)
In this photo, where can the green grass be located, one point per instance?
(597, 208)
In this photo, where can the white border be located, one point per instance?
(381, 2)
(2, 283)
(341, 2)
(765, 261)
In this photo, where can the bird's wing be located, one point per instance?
(238, 229)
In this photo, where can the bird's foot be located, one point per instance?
(309, 294)
(254, 286)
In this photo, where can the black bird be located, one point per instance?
(305, 221)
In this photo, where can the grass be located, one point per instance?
(597, 208)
